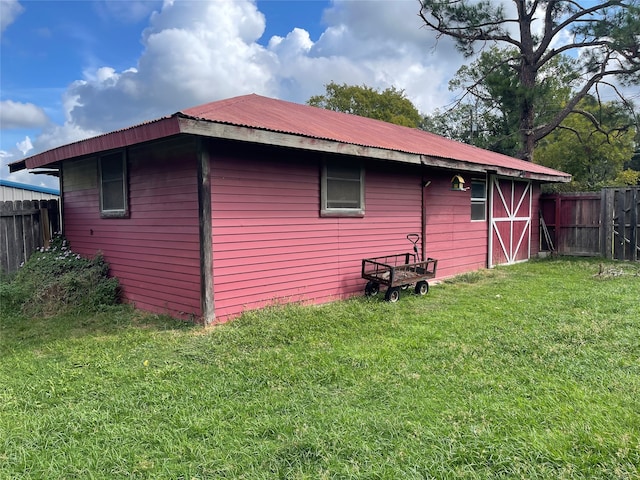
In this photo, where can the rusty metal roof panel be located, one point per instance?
(259, 112)
(151, 130)
(271, 115)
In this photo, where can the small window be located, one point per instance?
(113, 185)
(342, 189)
(478, 200)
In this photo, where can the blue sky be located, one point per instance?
(74, 69)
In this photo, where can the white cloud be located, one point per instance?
(377, 43)
(52, 136)
(28, 178)
(127, 11)
(297, 42)
(197, 52)
(25, 145)
(21, 115)
(56, 135)
(9, 10)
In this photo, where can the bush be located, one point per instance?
(56, 280)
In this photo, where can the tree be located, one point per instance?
(460, 123)
(634, 162)
(488, 111)
(390, 105)
(594, 157)
(601, 38)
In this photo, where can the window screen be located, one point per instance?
(478, 200)
(342, 189)
(113, 185)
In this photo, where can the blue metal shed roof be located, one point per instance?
(31, 188)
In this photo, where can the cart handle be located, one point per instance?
(413, 238)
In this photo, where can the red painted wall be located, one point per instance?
(270, 244)
(155, 252)
(535, 219)
(458, 243)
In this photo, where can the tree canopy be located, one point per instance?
(488, 113)
(390, 105)
(598, 40)
(595, 157)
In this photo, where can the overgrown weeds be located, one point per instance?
(56, 280)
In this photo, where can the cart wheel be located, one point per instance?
(422, 288)
(404, 287)
(372, 288)
(392, 295)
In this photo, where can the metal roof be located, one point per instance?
(254, 118)
(30, 188)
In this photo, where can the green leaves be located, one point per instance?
(491, 112)
(390, 105)
(590, 147)
(466, 22)
(55, 280)
(598, 40)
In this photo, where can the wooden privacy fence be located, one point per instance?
(24, 226)
(620, 215)
(598, 224)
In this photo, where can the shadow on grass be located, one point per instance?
(18, 332)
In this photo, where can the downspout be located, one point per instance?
(205, 231)
(424, 183)
(423, 224)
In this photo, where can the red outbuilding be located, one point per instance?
(251, 201)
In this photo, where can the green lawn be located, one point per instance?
(529, 371)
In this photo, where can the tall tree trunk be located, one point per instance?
(527, 112)
(527, 77)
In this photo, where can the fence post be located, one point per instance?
(606, 223)
(6, 236)
(54, 215)
(633, 223)
(45, 224)
(558, 224)
(24, 227)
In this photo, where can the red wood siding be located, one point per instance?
(535, 219)
(458, 243)
(155, 252)
(270, 244)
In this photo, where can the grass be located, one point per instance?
(530, 371)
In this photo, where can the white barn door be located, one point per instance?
(510, 221)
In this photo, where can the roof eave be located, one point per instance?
(483, 168)
(181, 123)
(145, 132)
(227, 131)
(17, 166)
(207, 128)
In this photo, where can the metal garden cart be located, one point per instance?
(398, 272)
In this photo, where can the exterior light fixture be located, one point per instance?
(457, 183)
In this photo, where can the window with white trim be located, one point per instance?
(113, 185)
(342, 189)
(478, 200)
